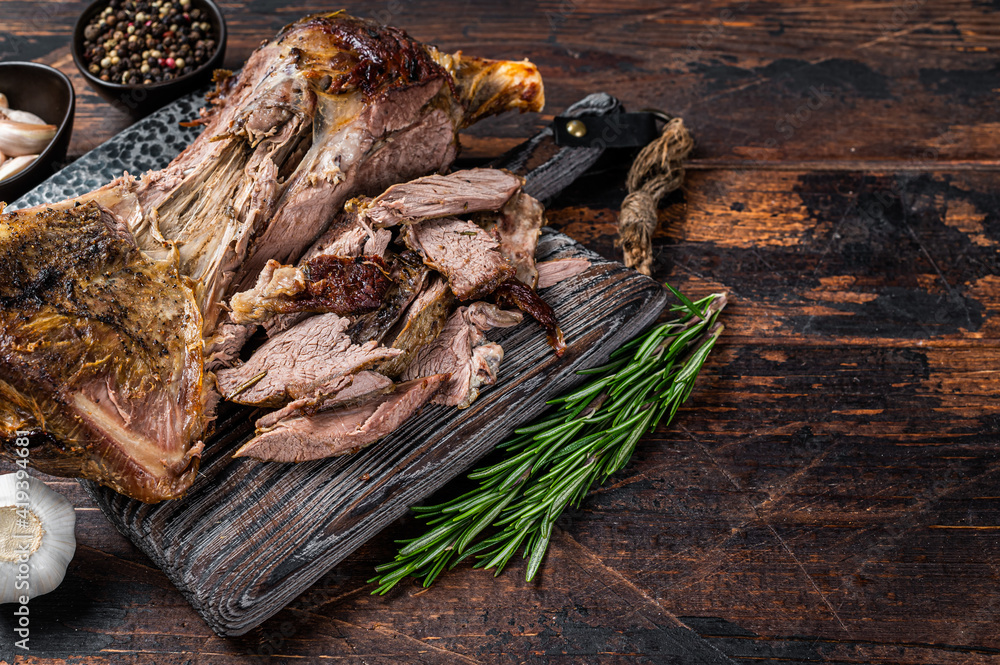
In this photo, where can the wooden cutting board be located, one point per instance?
(249, 537)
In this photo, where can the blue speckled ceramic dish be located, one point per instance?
(147, 145)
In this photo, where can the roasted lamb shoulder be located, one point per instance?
(100, 354)
(334, 107)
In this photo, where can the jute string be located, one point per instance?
(656, 172)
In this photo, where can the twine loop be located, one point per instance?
(656, 171)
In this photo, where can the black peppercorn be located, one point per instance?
(131, 41)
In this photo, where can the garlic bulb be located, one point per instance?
(36, 524)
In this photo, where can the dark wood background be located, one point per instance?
(832, 490)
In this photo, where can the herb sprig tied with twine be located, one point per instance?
(552, 463)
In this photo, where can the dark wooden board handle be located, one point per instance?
(547, 168)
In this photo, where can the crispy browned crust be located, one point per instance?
(520, 295)
(366, 56)
(100, 354)
(342, 285)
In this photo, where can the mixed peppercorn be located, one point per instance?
(136, 43)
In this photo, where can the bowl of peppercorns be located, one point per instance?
(140, 55)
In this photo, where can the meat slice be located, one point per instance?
(424, 321)
(325, 283)
(378, 244)
(552, 272)
(460, 192)
(518, 225)
(223, 348)
(486, 316)
(344, 430)
(100, 354)
(464, 253)
(345, 237)
(342, 391)
(462, 351)
(296, 362)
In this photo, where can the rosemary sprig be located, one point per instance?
(553, 463)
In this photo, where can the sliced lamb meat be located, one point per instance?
(325, 283)
(442, 196)
(342, 391)
(464, 253)
(345, 237)
(486, 316)
(425, 318)
(522, 296)
(326, 389)
(344, 430)
(408, 276)
(279, 323)
(379, 243)
(298, 361)
(551, 273)
(518, 225)
(462, 351)
(223, 349)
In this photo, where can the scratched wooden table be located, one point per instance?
(832, 492)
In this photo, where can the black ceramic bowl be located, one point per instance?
(141, 100)
(47, 93)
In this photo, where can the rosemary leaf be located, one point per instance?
(590, 434)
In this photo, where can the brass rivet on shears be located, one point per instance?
(576, 128)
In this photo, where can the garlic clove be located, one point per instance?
(23, 116)
(3, 158)
(49, 531)
(4, 104)
(11, 167)
(22, 138)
